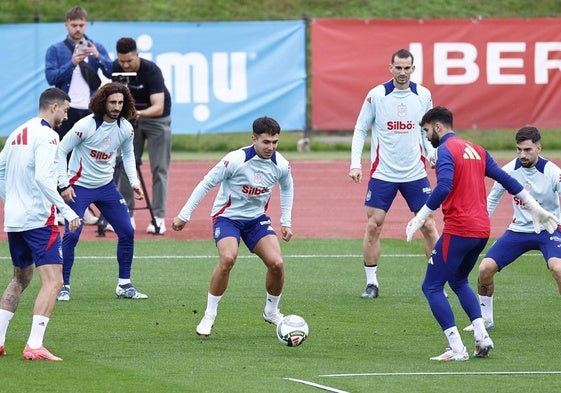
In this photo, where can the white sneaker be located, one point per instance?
(161, 226)
(64, 293)
(450, 355)
(205, 326)
(89, 218)
(489, 325)
(483, 347)
(128, 291)
(273, 318)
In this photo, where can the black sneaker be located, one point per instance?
(370, 292)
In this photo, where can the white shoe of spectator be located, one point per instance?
(161, 226)
(89, 218)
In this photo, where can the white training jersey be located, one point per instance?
(27, 178)
(246, 183)
(542, 181)
(398, 141)
(94, 144)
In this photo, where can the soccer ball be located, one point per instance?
(292, 330)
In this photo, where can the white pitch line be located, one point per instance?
(444, 373)
(317, 385)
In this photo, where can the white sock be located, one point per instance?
(124, 281)
(486, 303)
(479, 331)
(272, 304)
(212, 304)
(5, 317)
(454, 339)
(38, 328)
(371, 274)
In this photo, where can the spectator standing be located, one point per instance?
(72, 65)
(152, 126)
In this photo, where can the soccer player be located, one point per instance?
(461, 168)
(94, 141)
(247, 177)
(541, 178)
(393, 111)
(28, 189)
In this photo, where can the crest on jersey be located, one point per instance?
(258, 177)
(402, 110)
(106, 142)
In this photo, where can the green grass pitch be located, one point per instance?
(355, 345)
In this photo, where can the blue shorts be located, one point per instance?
(41, 245)
(250, 231)
(511, 245)
(380, 193)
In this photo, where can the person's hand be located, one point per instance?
(286, 233)
(74, 224)
(356, 175)
(178, 224)
(138, 194)
(68, 195)
(413, 226)
(541, 216)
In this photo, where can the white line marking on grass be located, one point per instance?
(317, 385)
(444, 373)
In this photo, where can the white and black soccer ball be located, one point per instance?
(292, 330)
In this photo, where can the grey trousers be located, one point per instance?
(156, 135)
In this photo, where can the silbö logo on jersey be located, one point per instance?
(255, 192)
(100, 155)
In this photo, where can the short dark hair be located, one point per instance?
(76, 12)
(99, 100)
(403, 54)
(51, 96)
(438, 113)
(266, 125)
(126, 45)
(528, 133)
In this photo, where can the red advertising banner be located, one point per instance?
(492, 73)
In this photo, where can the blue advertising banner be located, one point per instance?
(221, 75)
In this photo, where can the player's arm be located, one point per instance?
(363, 123)
(212, 178)
(3, 174)
(286, 202)
(45, 179)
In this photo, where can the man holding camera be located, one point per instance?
(72, 66)
(152, 125)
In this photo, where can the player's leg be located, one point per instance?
(506, 249)
(436, 275)
(22, 275)
(109, 201)
(262, 240)
(554, 265)
(227, 237)
(379, 197)
(70, 240)
(47, 257)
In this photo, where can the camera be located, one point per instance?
(125, 78)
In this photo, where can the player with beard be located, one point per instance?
(541, 178)
(94, 142)
(461, 168)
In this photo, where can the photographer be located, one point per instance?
(153, 125)
(72, 66)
